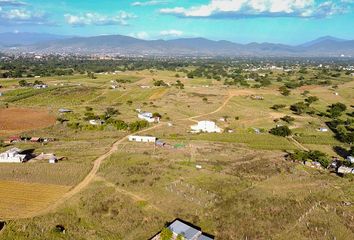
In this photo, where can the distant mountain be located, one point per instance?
(322, 40)
(17, 39)
(124, 45)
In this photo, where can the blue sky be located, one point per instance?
(283, 21)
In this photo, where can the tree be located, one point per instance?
(23, 83)
(179, 84)
(335, 110)
(320, 157)
(159, 83)
(299, 155)
(166, 234)
(284, 91)
(311, 99)
(110, 112)
(288, 119)
(156, 115)
(205, 99)
(351, 151)
(299, 108)
(282, 131)
(278, 106)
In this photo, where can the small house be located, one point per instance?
(40, 86)
(322, 129)
(160, 143)
(96, 122)
(206, 126)
(64, 110)
(350, 159)
(35, 139)
(53, 159)
(145, 139)
(256, 97)
(15, 139)
(345, 170)
(12, 156)
(186, 230)
(312, 164)
(148, 117)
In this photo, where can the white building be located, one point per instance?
(40, 86)
(96, 122)
(146, 139)
(323, 129)
(345, 170)
(12, 156)
(187, 231)
(206, 126)
(148, 117)
(350, 159)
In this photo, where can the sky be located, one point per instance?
(277, 21)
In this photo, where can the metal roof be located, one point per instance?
(188, 232)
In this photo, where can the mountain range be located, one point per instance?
(123, 45)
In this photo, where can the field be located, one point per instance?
(24, 199)
(17, 120)
(104, 187)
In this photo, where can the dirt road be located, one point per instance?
(97, 163)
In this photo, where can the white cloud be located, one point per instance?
(148, 3)
(140, 35)
(92, 18)
(12, 3)
(260, 8)
(171, 33)
(10, 14)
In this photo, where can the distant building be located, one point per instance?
(12, 156)
(64, 110)
(255, 97)
(345, 170)
(96, 122)
(53, 159)
(323, 129)
(40, 86)
(146, 139)
(186, 231)
(350, 159)
(206, 126)
(148, 117)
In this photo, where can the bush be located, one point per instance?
(278, 106)
(288, 119)
(282, 131)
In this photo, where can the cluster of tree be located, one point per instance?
(343, 129)
(24, 83)
(108, 114)
(160, 83)
(179, 84)
(282, 131)
(315, 155)
(304, 107)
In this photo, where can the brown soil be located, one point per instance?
(16, 120)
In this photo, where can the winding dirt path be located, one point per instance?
(89, 177)
(97, 163)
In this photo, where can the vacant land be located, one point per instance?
(19, 200)
(17, 120)
(105, 187)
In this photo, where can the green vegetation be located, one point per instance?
(138, 187)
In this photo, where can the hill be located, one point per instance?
(125, 45)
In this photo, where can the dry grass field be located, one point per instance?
(17, 120)
(20, 200)
(244, 190)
